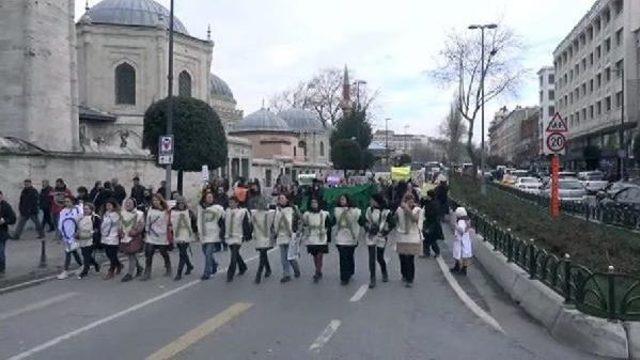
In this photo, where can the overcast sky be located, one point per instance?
(264, 46)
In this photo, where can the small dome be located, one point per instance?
(262, 120)
(132, 12)
(302, 121)
(219, 88)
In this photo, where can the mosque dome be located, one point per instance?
(302, 121)
(263, 120)
(219, 88)
(132, 12)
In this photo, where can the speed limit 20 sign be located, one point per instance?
(555, 137)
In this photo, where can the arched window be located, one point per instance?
(303, 145)
(295, 151)
(125, 84)
(184, 84)
(321, 148)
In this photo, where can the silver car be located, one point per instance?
(569, 190)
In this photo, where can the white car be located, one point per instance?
(569, 190)
(593, 181)
(528, 184)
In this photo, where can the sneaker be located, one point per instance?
(385, 277)
(82, 275)
(267, 273)
(189, 270)
(63, 275)
(344, 282)
(316, 277)
(408, 284)
(127, 278)
(177, 278)
(285, 279)
(205, 277)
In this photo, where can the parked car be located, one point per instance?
(528, 184)
(569, 190)
(629, 196)
(593, 181)
(610, 191)
(567, 175)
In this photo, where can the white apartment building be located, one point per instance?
(596, 70)
(546, 78)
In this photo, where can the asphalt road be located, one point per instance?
(96, 319)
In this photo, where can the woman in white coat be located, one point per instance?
(379, 221)
(68, 220)
(316, 232)
(237, 231)
(132, 242)
(211, 231)
(111, 230)
(285, 225)
(409, 236)
(185, 231)
(261, 227)
(462, 251)
(157, 236)
(346, 221)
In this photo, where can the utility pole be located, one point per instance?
(386, 138)
(483, 189)
(170, 101)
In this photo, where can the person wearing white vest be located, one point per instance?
(111, 230)
(261, 226)
(462, 252)
(379, 222)
(131, 242)
(157, 236)
(316, 232)
(285, 225)
(409, 237)
(347, 220)
(211, 231)
(237, 231)
(185, 231)
(88, 234)
(68, 220)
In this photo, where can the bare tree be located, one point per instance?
(461, 65)
(322, 94)
(452, 129)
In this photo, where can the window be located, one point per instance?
(125, 76)
(321, 148)
(599, 107)
(303, 145)
(597, 25)
(577, 117)
(591, 59)
(584, 64)
(619, 99)
(541, 81)
(267, 177)
(584, 114)
(618, 6)
(607, 74)
(598, 52)
(295, 151)
(591, 112)
(541, 99)
(590, 86)
(552, 111)
(584, 89)
(607, 45)
(184, 84)
(552, 95)
(619, 68)
(619, 37)
(607, 103)
(598, 81)
(551, 78)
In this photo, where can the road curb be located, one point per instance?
(587, 333)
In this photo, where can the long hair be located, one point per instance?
(347, 198)
(163, 203)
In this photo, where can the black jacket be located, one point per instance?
(45, 204)
(120, 193)
(29, 201)
(137, 193)
(6, 213)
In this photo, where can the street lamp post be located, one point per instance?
(170, 101)
(483, 189)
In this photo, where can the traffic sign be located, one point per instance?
(557, 124)
(556, 142)
(165, 150)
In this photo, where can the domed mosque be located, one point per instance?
(122, 61)
(292, 142)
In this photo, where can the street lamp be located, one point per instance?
(167, 191)
(482, 27)
(357, 83)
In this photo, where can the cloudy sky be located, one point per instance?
(264, 46)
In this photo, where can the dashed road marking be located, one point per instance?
(185, 341)
(37, 306)
(325, 336)
(359, 294)
(477, 310)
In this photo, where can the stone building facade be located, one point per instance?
(546, 93)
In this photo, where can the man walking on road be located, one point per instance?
(137, 191)
(7, 217)
(45, 206)
(28, 210)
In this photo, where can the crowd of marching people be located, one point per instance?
(226, 219)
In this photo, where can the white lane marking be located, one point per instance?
(325, 336)
(360, 293)
(26, 283)
(37, 306)
(483, 315)
(95, 324)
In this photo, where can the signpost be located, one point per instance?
(555, 144)
(165, 150)
(205, 174)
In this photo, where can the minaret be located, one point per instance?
(38, 96)
(346, 103)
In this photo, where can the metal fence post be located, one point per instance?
(612, 293)
(567, 279)
(43, 254)
(532, 260)
(509, 246)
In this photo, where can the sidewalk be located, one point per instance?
(23, 258)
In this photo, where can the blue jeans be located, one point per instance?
(210, 264)
(2, 257)
(286, 263)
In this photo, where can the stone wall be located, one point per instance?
(38, 73)
(84, 170)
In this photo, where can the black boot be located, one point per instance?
(463, 271)
(258, 278)
(147, 274)
(189, 269)
(455, 268)
(139, 270)
(385, 277)
(372, 282)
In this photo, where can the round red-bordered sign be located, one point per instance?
(556, 142)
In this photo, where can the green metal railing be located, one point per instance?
(611, 295)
